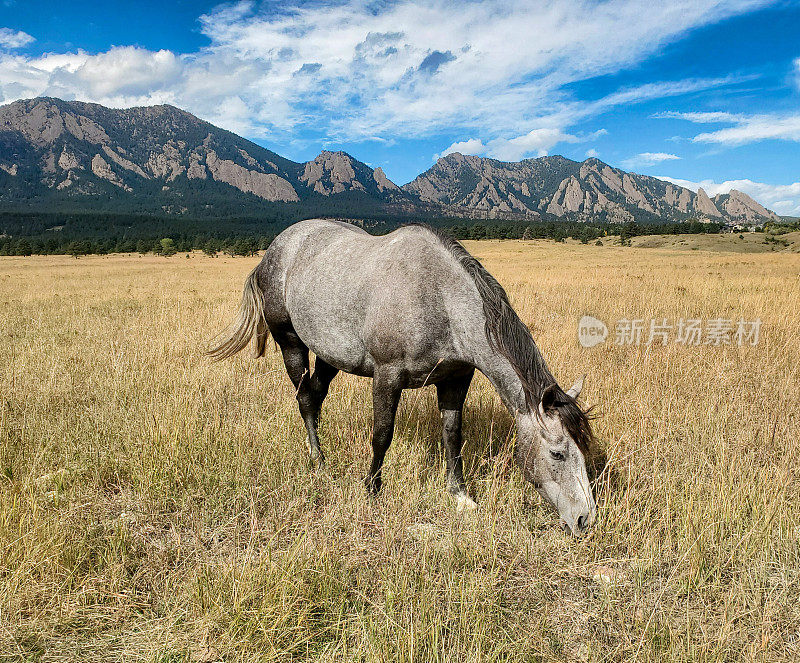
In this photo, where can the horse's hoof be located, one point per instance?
(464, 503)
(373, 485)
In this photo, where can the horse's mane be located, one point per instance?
(509, 336)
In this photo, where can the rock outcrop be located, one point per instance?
(266, 186)
(703, 204)
(331, 172)
(102, 169)
(383, 182)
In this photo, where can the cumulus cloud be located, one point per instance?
(592, 153)
(356, 69)
(648, 159)
(125, 72)
(780, 198)
(14, 38)
(744, 129)
(537, 142)
(473, 146)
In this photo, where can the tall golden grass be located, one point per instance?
(157, 507)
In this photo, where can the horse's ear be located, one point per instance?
(575, 390)
(548, 399)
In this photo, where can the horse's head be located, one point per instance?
(553, 445)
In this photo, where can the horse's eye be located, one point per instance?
(557, 455)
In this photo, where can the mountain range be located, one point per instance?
(160, 160)
(558, 187)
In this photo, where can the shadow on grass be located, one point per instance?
(487, 431)
(489, 435)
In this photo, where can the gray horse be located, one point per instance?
(409, 309)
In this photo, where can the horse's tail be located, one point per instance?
(249, 322)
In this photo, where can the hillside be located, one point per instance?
(163, 160)
(73, 157)
(559, 187)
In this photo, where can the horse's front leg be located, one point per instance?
(451, 395)
(386, 390)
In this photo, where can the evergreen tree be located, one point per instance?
(23, 247)
(167, 247)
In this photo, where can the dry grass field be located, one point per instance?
(157, 507)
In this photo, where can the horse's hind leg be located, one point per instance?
(386, 390)
(452, 393)
(310, 390)
(318, 388)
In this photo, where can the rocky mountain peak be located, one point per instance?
(331, 173)
(383, 182)
(43, 121)
(704, 205)
(452, 157)
(741, 207)
(458, 160)
(80, 149)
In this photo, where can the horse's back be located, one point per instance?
(358, 300)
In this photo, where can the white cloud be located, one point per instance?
(14, 38)
(780, 198)
(122, 71)
(473, 146)
(745, 129)
(701, 117)
(648, 159)
(592, 153)
(537, 142)
(357, 69)
(753, 129)
(119, 76)
(665, 89)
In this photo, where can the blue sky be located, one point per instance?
(703, 92)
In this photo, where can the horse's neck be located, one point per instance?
(502, 374)
(499, 371)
